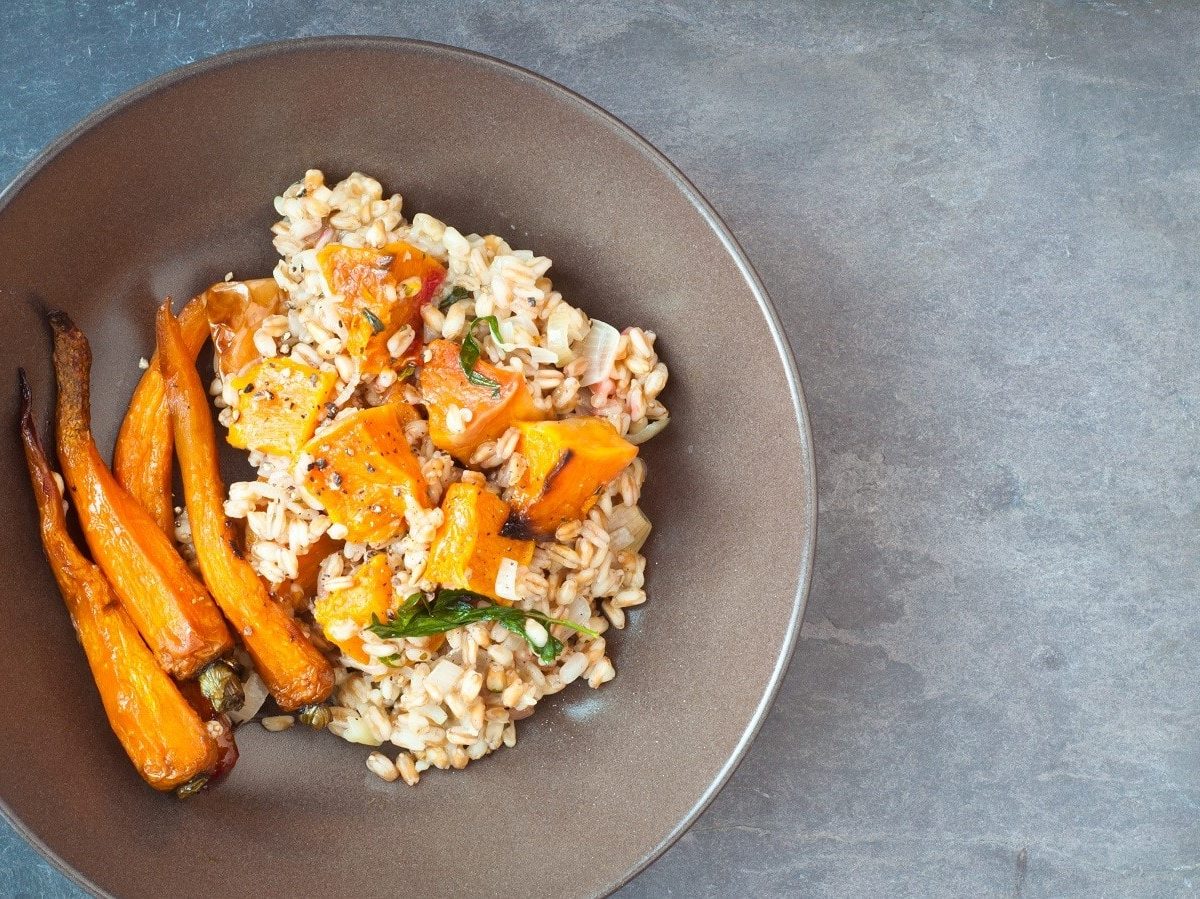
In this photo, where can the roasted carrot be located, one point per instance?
(293, 669)
(171, 608)
(161, 733)
(145, 448)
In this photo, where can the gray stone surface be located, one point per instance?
(979, 221)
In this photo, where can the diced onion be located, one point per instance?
(600, 350)
(506, 580)
(358, 731)
(558, 338)
(256, 694)
(652, 429)
(541, 354)
(628, 528)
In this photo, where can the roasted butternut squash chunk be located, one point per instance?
(490, 411)
(342, 614)
(296, 592)
(362, 470)
(569, 461)
(382, 291)
(292, 668)
(145, 447)
(171, 608)
(235, 310)
(279, 403)
(468, 550)
(160, 732)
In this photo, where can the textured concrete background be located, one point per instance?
(979, 221)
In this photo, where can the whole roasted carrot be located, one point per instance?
(161, 733)
(293, 669)
(171, 608)
(145, 447)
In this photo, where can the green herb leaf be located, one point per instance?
(405, 373)
(458, 293)
(419, 616)
(373, 320)
(468, 356)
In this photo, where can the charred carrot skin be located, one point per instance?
(145, 447)
(161, 733)
(171, 608)
(293, 669)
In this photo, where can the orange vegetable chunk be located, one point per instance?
(444, 385)
(279, 403)
(569, 462)
(235, 310)
(296, 592)
(342, 614)
(381, 291)
(362, 471)
(468, 549)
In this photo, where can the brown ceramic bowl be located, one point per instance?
(168, 188)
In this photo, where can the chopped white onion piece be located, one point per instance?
(506, 580)
(600, 350)
(540, 354)
(256, 694)
(628, 528)
(558, 338)
(652, 429)
(358, 731)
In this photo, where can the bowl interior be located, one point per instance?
(173, 189)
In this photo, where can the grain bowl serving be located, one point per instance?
(444, 521)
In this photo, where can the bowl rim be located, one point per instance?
(714, 221)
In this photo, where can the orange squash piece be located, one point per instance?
(145, 447)
(342, 614)
(293, 669)
(468, 548)
(362, 469)
(160, 732)
(569, 462)
(381, 291)
(296, 592)
(235, 310)
(443, 384)
(279, 403)
(171, 608)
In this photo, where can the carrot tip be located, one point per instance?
(60, 321)
(26, 394)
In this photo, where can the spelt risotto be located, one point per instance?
(444, 520)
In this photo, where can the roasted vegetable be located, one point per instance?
(418, 616)
(220, 686)
(279, 402)
(235, 311)
(160, 732)
(145, 447)
(343, 613)
(292, 668)
(468, 551)
(362, 471)
(315, 716)
(463, 414)
(171, 608)
(568, 462)
(296, 592)
(220, 728)
(381, 291)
